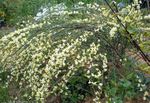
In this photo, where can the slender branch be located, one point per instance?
(132, 41)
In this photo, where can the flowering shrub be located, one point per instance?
(43, 57)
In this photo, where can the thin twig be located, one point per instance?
(132, 41)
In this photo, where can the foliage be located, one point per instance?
(78, 88)
(4, 97)
(132, 85)
(13, 11)
(77, 47)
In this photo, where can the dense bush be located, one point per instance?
(78, 53)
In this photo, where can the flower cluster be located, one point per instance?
(43, 55)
